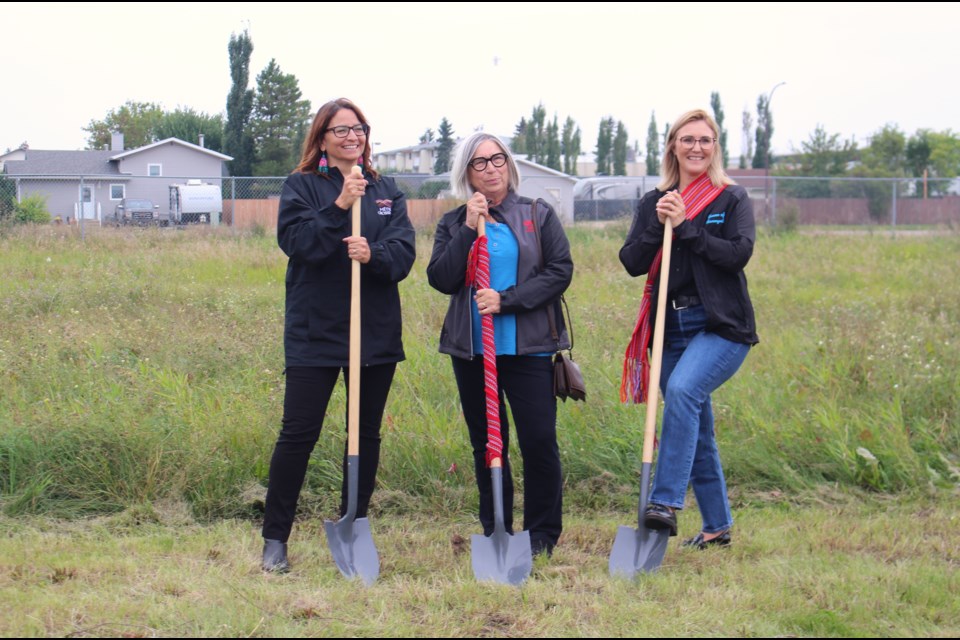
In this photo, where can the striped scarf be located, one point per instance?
(636, 360)
(478, 276)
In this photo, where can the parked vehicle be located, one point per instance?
(195, 202)
(139, 211)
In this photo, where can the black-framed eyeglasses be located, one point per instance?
(480, 164)
(343, 130)
(688, 142)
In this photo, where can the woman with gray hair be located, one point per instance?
(530, 268)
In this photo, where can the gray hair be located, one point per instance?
(459, 176)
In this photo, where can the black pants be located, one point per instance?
(527, 382)
(305, 401)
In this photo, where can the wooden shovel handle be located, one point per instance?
(353, 404)
(653, 386)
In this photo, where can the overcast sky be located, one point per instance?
(851, 68)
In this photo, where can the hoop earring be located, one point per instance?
(322, 167)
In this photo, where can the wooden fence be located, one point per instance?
(246, 214)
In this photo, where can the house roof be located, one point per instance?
(521, 160)
(63, 163)
(178, 141)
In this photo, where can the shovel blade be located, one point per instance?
(352, 548)
(637, 550)
(502, 557)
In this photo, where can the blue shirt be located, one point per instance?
(504, 253)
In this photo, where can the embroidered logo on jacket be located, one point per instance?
(528, 226)
(716, 218)
(384, 207)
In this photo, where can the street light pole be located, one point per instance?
(766, 152)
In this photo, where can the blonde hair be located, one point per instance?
(670, 167)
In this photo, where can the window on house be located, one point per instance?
(154, 170)
(117, 191)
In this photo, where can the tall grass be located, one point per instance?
(142, 365)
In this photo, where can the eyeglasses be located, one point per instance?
(480, 164)
(688, 142)
(343, 130)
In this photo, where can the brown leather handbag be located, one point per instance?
(567, 377)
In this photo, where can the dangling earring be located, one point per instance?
(322, 167)
(360, 161)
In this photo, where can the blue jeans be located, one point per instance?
(695, 363)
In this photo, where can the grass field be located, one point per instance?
(140, 395)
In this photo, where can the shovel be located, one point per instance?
(642, 549)
(502, 557)
(351, 543)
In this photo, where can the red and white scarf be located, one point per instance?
(636, 360)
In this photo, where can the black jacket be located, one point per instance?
(720, 241)
(536, 290)
(310, 230)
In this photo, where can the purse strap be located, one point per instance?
(563, 301)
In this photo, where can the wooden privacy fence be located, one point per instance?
(247, 214)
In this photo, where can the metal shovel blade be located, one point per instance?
(502, 557)
(352, 548)
(641, 549)
(637, 550)
(350, 540)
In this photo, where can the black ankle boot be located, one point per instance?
(275, 556)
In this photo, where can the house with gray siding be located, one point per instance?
(90, 184)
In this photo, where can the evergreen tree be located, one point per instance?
(279, 122)
(762, 159)
(427, 136)
(746, 141)
(620, 144)
(605, 146)
(570, 146)
(519, 143)
(718, 116)
(653, 147)
(445, 148)
(553, 145)
(237, 139)
(536, 139)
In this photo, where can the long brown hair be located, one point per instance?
(670, 167)
(310, 156)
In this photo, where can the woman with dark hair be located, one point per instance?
(314, 230)
(530, 268)
(709, 320)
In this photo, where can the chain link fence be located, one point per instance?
(792, 201)
(246, 202)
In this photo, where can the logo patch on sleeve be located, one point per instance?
(716, 218)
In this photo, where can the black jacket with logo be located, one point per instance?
(310, 230)
(720, 242)
(536, 291)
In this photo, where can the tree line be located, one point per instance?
(264, 127)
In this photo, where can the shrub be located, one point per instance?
(31, 210)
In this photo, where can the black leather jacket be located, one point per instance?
(720, 241)
(537, 290)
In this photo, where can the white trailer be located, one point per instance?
(195, 202)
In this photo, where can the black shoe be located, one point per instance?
(540, 548)
(661, 518)
(722, 540)
(275, 556)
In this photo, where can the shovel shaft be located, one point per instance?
(353, 388)
(653, 390)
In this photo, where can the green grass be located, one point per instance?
(140, 396)
(876, 567)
